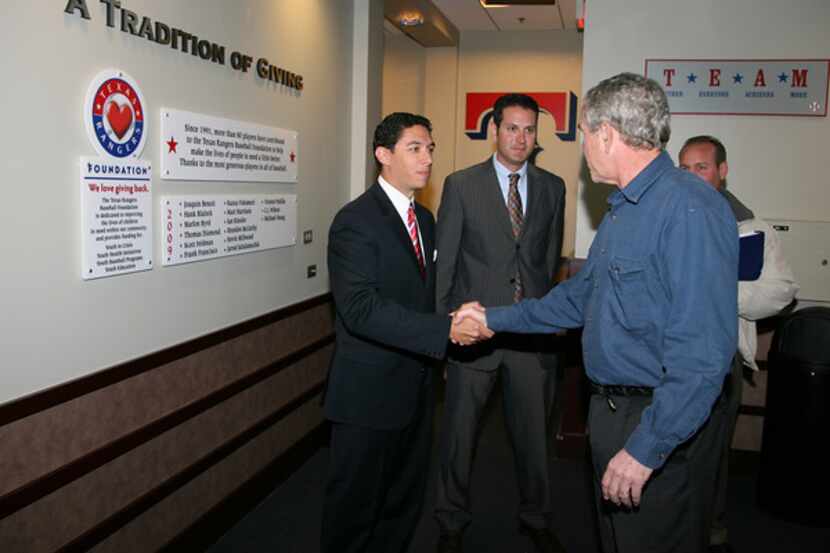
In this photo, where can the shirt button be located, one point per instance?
(614, 217)
(602, 251)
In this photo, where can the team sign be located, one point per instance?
(743, 87)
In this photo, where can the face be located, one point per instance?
(595, 155)
(515, 137)
(700, 159)
(408, 165)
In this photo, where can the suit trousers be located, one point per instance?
(733, 389)
(375, 489)
(527, 387)
(674, 515)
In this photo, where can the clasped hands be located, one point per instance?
(469, 325)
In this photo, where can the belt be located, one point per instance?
(608, 391)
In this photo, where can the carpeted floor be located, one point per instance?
(288, 520)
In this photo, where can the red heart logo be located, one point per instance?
(120, 118)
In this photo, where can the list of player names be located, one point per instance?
(197, 228)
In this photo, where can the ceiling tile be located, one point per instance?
(467, 15)
(527, 18)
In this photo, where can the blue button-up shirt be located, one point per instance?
(657, 298)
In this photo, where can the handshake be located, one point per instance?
(469, 325)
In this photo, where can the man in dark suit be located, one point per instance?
(499, 239)
(378, 397)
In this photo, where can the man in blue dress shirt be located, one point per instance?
(657, 298)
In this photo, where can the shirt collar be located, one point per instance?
(643, 181)
(398, 198)
(504, 173)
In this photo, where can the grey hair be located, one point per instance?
(635, 106)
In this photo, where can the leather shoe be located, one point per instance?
(449, 542)
(543, 539)
(721, 548)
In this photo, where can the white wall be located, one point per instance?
(777, 164)
(55, 327)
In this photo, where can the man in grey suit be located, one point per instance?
(499, 236)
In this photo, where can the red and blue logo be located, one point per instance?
(114, 114)
(559, 105)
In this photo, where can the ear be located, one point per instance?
(383, 154)
(723, 170)
(606, 136)
(493, 130)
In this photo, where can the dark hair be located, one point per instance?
(389, 131)
(508, 100)
(720, 150)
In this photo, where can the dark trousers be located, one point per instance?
(376, 483)
(733, 389)
(527, 387)
(674, 515)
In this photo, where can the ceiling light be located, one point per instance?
(508, 3)
(411, 19)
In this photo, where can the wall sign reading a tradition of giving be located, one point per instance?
(743, 87)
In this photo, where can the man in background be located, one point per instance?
(775, 289)
(499, 240)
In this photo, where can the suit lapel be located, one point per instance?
(394, 223)
(427, 238)
(495, 198)
(533, 198)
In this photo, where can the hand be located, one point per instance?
(472, 310)
(468, 331)
(624, 479)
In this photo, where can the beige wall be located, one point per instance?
(543, 61)
(404, 65)
(435, 81)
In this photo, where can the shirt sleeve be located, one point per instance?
(562, 307)
(699, 262)
(775, 288)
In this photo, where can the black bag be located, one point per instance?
(793, 482)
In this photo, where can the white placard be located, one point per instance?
(201, 147)
(203, 227)
(743, 87)
(116, 210)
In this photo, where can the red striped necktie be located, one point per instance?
(412, 225)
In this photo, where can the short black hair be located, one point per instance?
(389, 131)
(509, 100)
(720, 150)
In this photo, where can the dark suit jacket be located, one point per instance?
(478, 256)
(386, 326)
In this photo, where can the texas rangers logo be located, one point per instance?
(114, 115)
(559, 105)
